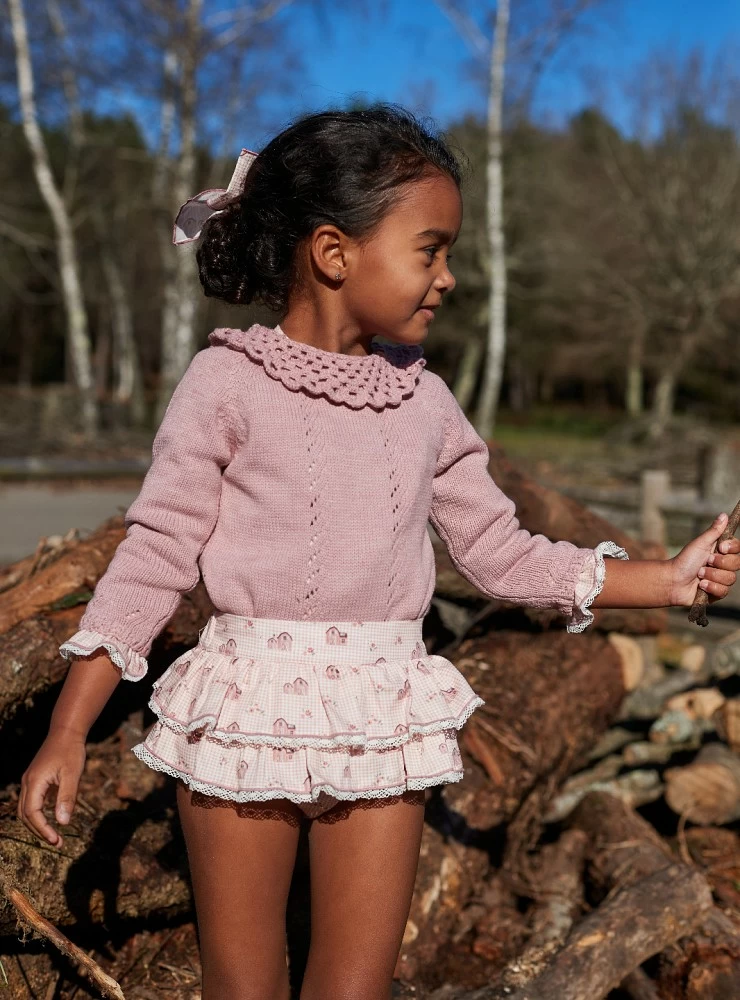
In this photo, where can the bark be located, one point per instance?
(547, 702)
(128, 389)
(466, 376)
(122, 860)
(496, 350)
(178, 325)
(706, 791)
(45, 606)
(626, 848)
(78, 338)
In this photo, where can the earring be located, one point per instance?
(337, 276)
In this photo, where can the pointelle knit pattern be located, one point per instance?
(300, 483)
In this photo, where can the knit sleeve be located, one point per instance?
(168, 523)
(477, 523)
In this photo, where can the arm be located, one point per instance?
(168, 523)
(661, 583)
(477, 523)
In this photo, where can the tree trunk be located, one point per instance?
(466, 376)
(178, 326)
(496, 354)
(128, 390)
(77, 325)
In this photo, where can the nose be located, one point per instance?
(445, 280)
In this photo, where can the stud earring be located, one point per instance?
(337, 276)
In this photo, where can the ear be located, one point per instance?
(328, 248)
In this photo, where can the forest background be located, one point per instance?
(620, 215)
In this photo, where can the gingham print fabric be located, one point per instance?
(273, 708)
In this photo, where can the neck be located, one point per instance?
(309, 323)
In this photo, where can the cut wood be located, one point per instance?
(645, 752)
(612, 740)
(559, 904)
(76, 571)
(624, 848)
(727, 722)
(699, 703)
(707, 791)
(548, 699)
(637, 922)
(630, 654)
(679, 727)
(648, 702)
(636, 788)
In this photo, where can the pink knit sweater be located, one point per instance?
(300, 483)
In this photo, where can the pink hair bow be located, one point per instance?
(191, 216)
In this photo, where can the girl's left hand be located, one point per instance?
(697, 567)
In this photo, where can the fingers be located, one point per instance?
(66, 796)
(710, 536)
(31, 808)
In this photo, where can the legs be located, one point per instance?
(241, 861)
(364, 856)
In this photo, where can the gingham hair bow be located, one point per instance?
(191, 216)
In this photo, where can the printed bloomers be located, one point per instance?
(309, 711)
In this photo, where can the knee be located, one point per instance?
(233, 985)
(345, 988)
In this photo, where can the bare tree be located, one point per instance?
(536, 42)
(77, 324)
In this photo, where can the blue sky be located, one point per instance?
(414, 55)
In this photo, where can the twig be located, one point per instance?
(28, 913)
(698, 614)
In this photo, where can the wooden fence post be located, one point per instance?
(654, 487)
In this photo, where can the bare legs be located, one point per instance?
(241, 861)
(363, 858)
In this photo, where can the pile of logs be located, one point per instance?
(592, 850)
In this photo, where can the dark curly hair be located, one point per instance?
(343, 167)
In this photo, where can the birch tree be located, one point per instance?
(74, 304)
(535, 46)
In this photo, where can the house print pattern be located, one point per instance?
(266, 708)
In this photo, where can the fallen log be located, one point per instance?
(123, 860)
(635, 923)
(624, 848)
(547, 702)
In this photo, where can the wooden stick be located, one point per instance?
(27, 913)
(698, 613)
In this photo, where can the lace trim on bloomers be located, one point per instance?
(317, 742)
(582, 617)
(133, 665)
(382, 378)
(265, 794)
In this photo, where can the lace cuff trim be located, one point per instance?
(590, 584)
(133, 665)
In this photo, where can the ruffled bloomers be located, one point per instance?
(313, 712)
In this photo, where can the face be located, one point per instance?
(404, 266)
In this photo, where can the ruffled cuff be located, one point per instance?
(133, 665)
(590, 583)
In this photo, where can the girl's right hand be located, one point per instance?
(60, 761)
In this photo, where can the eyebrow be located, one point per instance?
(443, 235)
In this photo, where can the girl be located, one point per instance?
(297, 467)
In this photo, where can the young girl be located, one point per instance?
(297, 467)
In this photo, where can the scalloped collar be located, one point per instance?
(382, 378)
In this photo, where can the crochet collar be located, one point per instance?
(382, 378)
